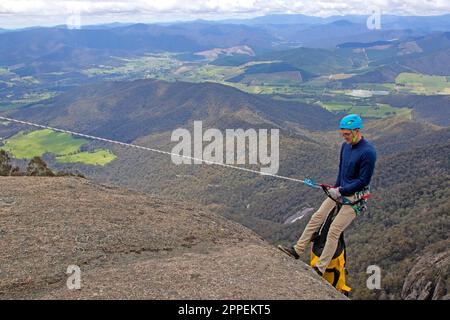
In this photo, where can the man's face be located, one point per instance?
(347, 135)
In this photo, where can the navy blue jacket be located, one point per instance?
(356, 166)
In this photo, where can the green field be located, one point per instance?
(373, 111)
(422, 84)
(62, 145)
(99, 157)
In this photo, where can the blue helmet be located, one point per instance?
(351, 122)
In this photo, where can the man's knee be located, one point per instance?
(341, 222)
(318, 217)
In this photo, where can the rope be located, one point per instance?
(129, 145)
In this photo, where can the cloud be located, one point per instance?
(160, 10)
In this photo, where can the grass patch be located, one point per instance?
(36, 143)
(373, 111)
(62, 145)
(422, 84)
(100, 157)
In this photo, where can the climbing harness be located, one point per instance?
(359, 204)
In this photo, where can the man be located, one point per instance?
(356, 166)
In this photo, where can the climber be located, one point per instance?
(356, 166)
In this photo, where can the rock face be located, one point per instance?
(429, 278)
(129, 245)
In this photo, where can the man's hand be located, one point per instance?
(334, 193)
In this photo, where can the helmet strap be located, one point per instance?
(354, 137)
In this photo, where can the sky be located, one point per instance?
(25, 13)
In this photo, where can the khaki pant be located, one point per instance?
(342, 220)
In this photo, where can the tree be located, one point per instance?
(6, 168)
(5, 163)
(37, 167)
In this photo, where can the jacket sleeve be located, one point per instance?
(338, 179)
(367, 168)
